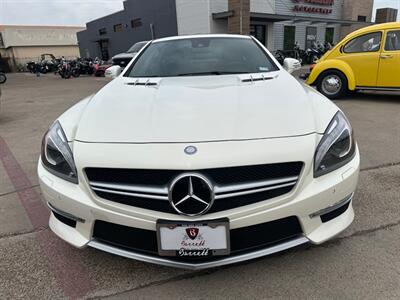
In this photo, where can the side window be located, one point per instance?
(392, 41)
(370, 42)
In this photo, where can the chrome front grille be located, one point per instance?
(148, 192)
(233, 186)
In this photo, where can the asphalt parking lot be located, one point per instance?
(361, 263)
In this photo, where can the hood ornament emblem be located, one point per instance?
(190, 150)
(191, 194)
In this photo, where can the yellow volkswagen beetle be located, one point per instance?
(367, 59)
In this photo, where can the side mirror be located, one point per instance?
(113, 72)
(291, 65)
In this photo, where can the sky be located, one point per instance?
(55, 12)
(78, 12)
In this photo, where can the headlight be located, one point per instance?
(336, 147)
(56, 155)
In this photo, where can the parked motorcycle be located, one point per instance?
(100, 67)
(82, 67)
(312, 54)
(65, 69)
(31, 66)
(279, 55)
(328, 46)
(299, 54)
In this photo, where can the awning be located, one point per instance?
(264, 17)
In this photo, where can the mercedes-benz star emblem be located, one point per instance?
(190, 150)
(191, 194)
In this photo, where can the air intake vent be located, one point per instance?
(256, 77)
(147, 82)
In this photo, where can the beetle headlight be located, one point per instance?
(56, 155)
(336, 147)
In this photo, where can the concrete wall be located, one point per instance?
(193, 16)
(160, 13)
(262, 6)
(14, 36)
(26, 43)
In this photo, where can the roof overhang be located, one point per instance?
(264, 17)
(222, 15)
(300, 19)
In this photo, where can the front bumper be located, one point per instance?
(311, 198)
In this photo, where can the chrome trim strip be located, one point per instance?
(257, 184)
(221, 192)
(64, 214)
(229, 195)
(158, 197)
(130, 188)
(377, 88)
(223, 261)
(332, 207)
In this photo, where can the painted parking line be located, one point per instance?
(67, 267)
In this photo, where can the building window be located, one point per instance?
(103, 31)
(118, 27)
(289, 35)
(1, 40)
(362, 19)
(329, 34)
(258, 31)
(136, 22)
(311, 36)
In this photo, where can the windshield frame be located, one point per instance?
(142, 42)
(267, 54)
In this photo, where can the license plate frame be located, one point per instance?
(213, 224)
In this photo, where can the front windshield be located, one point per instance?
(201, 56)
(136, 47)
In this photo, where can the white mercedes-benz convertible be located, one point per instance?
(203, 152)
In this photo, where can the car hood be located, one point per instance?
(197, 109)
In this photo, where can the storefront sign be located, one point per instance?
(314, 9)
(319, 2)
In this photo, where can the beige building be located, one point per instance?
(356, 10)
(20, 44)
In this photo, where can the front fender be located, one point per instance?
(333, 64)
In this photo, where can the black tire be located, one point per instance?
(3, 78)
(67, 74)
(332, 90)
(76, 73)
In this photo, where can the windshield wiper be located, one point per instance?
(210, 73)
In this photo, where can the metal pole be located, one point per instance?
(241, 16)
(153, 36)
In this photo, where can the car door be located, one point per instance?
(362, 54)
(389, 65)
